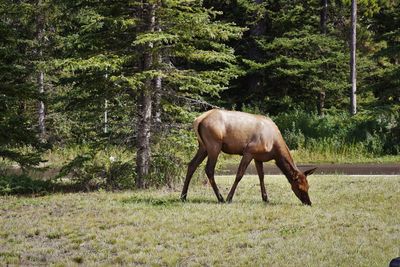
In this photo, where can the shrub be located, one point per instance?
(114, 168)
(22, 184)
(166, 169)
(170, 155)
(294, 137)
(100, 169)
(374, 132)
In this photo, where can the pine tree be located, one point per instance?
(137, 44)
(386, 80)
(18, 94)
(298, 62)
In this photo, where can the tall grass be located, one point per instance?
(339, 137)
(332, 151)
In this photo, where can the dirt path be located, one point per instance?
(326, 168)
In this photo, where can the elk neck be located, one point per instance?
(285, 162)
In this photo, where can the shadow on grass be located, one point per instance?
(22, 184)
(164, 200)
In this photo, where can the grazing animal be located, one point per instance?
(252, 136)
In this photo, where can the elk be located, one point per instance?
(252, 136)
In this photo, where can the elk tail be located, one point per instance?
(196, 125)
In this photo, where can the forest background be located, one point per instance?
(106, 91)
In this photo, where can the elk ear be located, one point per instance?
(309, 172)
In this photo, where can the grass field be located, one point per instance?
(354, 221)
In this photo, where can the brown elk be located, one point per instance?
(252, 136)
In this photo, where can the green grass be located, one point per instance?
(354, 221)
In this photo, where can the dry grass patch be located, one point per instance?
(354, 221)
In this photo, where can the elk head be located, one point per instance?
(300, 186)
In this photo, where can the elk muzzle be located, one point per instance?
(301, 194)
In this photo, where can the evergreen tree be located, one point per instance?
(18, 91)
(104, 73)
(135, 44)
(386, 80)
(287, 62)
(298, 62)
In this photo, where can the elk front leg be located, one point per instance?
(242, 168)
(260, 171)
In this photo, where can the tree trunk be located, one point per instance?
(105, 130)
(144, 104)
(143, 138)
(321, 103)
(353, 73)
(323, 30)
(157, 103)
(157, 87)
(40, 20)
(41, 108)
(106, 116)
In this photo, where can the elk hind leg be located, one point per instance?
(194, 163)
(210, 169)
(242, 168)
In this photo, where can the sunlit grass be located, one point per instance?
(354, 221)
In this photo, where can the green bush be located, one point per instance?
(170, 156)
(369, 132)
(166, 169)
(23, 184)
(294, 137)
(101, 170)
(113, 167)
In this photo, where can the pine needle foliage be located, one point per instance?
(18, 95)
